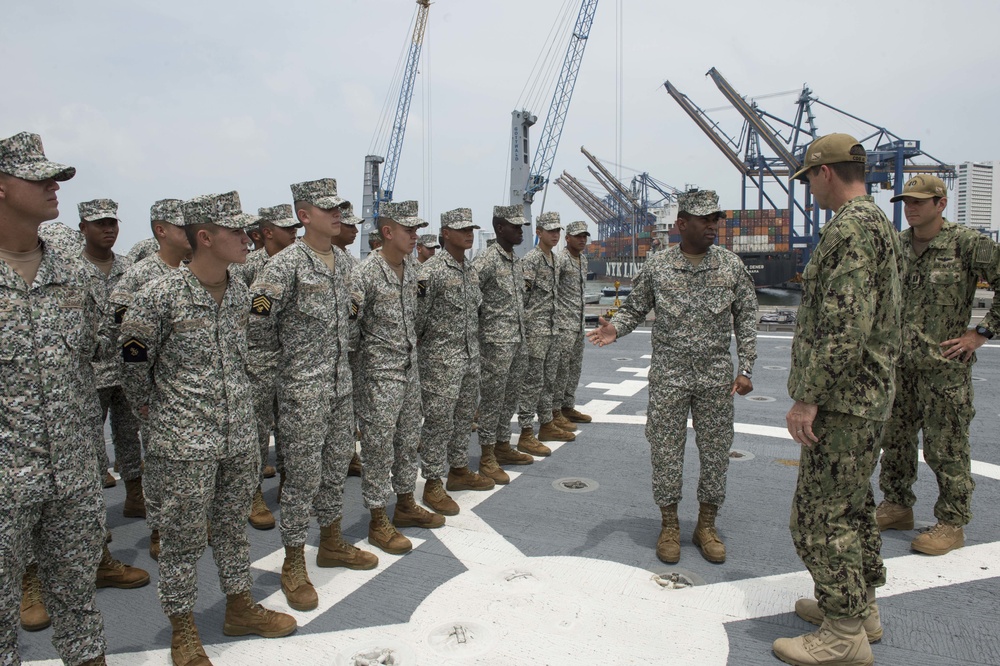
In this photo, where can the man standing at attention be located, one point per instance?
(571, 277)
(427, 246)
(842, 380)
(941, 265)
(702, 293)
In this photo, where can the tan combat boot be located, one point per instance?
(383, 534)
(528, 443)
(109, 480)
(113, 573)
(135, 502)
(668, 546)
(34, 617)
(508, 456)
(938, 540)
(562, 422)
(436, 498)
(185, 643)
(706, 537)
(335, 552)
(463, 478)
(575, 416)
(245, 617)
(354, 468)
(299, 591)
(268, 472)
(891, 516)
(154, 545)
(809, 610)
(550, 432)
(836, 642)
(489, 467)
(95, 661)
(261, 517)
(410, 514)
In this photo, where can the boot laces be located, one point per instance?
(190, 642)
(258, 505)
(297, 568)
(33, 588)
(385, 524)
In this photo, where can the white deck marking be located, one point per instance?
(638, 372)
(627, 387)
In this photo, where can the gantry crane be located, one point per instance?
(379, 191)
(526, 181)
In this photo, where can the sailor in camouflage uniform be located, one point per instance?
(384, 303)
(167, 223)
(501, 342)
(941, 265)
(842, 380)
(701, 294)
(571, 281)
(427, 247)
(349, 224)
(301, 309)
(184, 348)
(143, 249)
(278, 227)
(540, 324)
(448, 300)
(50, 491)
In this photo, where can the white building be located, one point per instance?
(977, 195)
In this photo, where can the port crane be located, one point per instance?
(380, 190)
(529, 175)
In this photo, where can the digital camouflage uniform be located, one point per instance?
(697, 309)
(389, 405)
(448, 300)
(501, 333)
(300, 314)
(53, 506)
(184, 357)
(843, 360)
(542, 365)
(934, 394)
(143, 249)
(571, 280)
(60, 238)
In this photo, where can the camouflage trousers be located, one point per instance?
(711, 412)
(448, 391)
(390, 432)
(65, 537)
(318, 430)
(502, 367)
(833, 513)
(202, 493)
(264, 385)
(151, 485)
(539, 378)
(124, 433)
(939, 404)
(570, 350)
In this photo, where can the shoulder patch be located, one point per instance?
(528, 284)
(831, 240)
(261, 305)
(984, 252)
(120, 313)
(133, 351)
(421, 288)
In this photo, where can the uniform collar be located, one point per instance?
(199, 294)
(317, 263)
(676, 259)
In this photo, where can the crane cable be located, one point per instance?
(383, 130)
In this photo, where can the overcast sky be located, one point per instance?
(175, 99)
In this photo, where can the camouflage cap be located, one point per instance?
(548, 221)
(699, 202)
(223, 210)
(513, 214)
(97, 209)
(347, 210)
(375, 236)
(321, 193)
(351, 220)
(167, 210)
(404, 213)
(280, 216)
(460, 218)
(923, 186)
(22, 156)
(832, 149)
(578, 228)
(428, 240)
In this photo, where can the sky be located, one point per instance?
(176, 99)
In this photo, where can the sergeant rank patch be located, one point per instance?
(261, 305)
(120, 313)
(133, 351)
(421, 288)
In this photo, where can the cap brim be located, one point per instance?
(470, 225)
(582, 233)
(329, 203)
(100, 216)
(241, 221)
(798, 175)
(913, 195)
(557, 228)
(284, 223)
(43, 170)
(410, 222)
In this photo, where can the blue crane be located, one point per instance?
(525, 185)
(377, 192)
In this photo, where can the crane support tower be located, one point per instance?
(379, 191)
(526, 181)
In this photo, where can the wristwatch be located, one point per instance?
(985, 332)
(747, 374)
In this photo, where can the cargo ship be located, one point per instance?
(762, 239)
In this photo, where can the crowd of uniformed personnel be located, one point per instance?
(200, 350)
